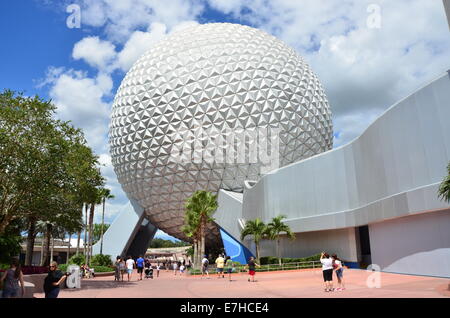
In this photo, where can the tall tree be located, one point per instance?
(95, 199)
(444, 187)
(257, 229)
(191, 230)
(200, 206)
(274, 230)
(32, 150)
(98, 230)
(105, 195)
(45, 164)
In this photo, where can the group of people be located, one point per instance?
(13, 282)
(225, 265)
(86, 271)
(330, 264)
(122, 266)
(14, 285)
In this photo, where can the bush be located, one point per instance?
(97, 269)
(101, 260)
(77, 259)
(274, 260)
(9, 247)
(103, 269)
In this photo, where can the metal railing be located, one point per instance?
(270, 267)
(286, 266)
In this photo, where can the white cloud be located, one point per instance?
(138, 43)
(364, 70)
(80, 99)
(121, 18)
(95, 52)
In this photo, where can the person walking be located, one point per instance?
(175, 268)
(122, 267)
(130, 266)
(252, 268)
(339, 269)
(54, 278)
(140, 266)
(205, 263)
(12, 280)
(182, 267)
(327, 270)
(117, 269)
(229, 267)
(157, 269)
(220, 261)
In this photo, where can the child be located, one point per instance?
(339, 269)
(251, 268)
(181, 269)
(229, 267)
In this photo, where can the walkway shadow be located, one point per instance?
(101, 284)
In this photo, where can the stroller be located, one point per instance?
(149, 272)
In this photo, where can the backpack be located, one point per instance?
(206, 263)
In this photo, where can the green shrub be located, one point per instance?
(101, 260)
(97, 269)
(4, 266)
(77, 259)
(274, 260)
(102, 269)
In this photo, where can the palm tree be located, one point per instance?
(444, 188)
(275, 228)
(94, 200)
(258, 229)
(190, 230)
(200, 206)
(105, 195)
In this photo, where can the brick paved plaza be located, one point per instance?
(303, 283)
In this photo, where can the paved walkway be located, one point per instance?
(302, 283)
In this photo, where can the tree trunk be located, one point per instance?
(30, 241)
(52, 249)
(278, 250)
(194, 256)
(199, 255)
(202, 238)
(48, 234)
(101, 230)
(68, 249)
(257, 251)
(41, 262)
(85, 230)
(5, 222)
(78, 242)
(91, 225)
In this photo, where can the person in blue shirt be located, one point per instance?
(140, 266)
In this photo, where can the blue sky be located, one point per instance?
(368, 54)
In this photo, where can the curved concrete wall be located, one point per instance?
(387, 179)
(393, 169)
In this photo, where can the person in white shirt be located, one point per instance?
(205, 263)
(130, 266)
(337, 265)
(327, 269)
(157, 270)
(175, 267)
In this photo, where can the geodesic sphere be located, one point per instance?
(223, 76)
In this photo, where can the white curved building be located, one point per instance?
(372, 201)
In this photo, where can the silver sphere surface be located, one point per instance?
(223, 76)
